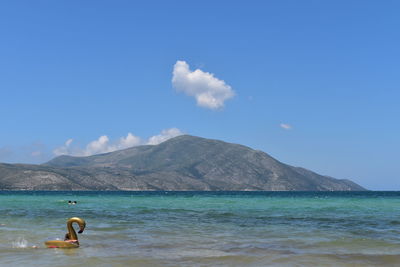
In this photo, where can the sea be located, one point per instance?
(203, 228)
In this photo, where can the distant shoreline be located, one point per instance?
(184, 194)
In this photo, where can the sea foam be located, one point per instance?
(20, 243)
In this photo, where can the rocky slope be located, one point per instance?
(182, 163)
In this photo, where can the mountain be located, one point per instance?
(181, 163)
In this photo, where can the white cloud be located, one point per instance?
(285, 126)
(104, 145)
(101, 145)
(164, 136)
(129, 141)
(98, 146)
(65, 149)
(209, 91)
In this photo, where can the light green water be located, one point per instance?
(203, 229)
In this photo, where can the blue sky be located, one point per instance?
(312, 83)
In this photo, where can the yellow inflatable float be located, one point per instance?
(71, 239)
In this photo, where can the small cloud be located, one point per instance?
(98, 146)
(104, 145)
(65, 149)
(69, 141)
(209, 91)
(164, 136)
(34, 153)
(128, 141)
(285, 126)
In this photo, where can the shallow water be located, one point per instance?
(203, 229)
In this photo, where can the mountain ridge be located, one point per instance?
(181, 163)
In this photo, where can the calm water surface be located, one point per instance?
(203, 229)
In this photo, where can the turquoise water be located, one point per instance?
(203, 229)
